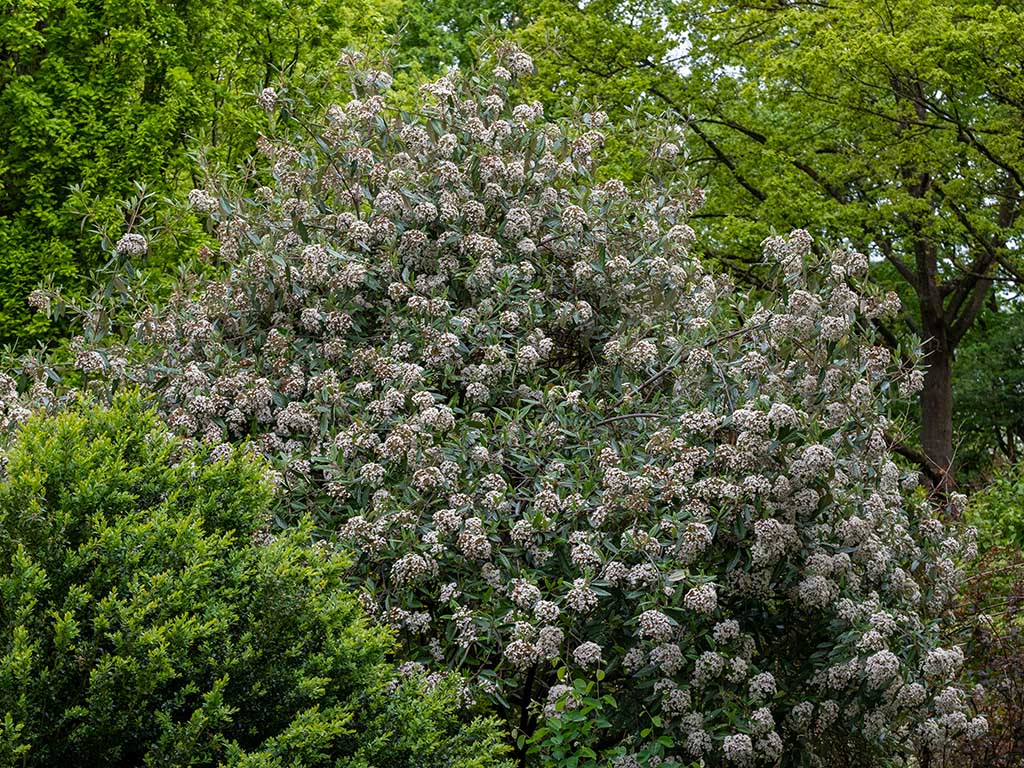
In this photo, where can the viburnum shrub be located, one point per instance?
(149, 617)
(566, 455)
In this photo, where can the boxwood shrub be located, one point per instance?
(149, 617)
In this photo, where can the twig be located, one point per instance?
(622, 416)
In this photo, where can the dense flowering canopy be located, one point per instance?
(554, 439)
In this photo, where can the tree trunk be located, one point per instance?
(937, 409)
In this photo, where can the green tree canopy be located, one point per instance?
(99, 96)
(897, 126)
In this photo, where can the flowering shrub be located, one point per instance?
(554, 440)
(150, 618)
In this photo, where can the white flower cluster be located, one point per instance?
(656, 626)
(202, 201)
(702, 599)
(587, 655)
(132, 244)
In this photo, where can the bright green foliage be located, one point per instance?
(99, 95)
(433, 34)
(148, 618)
(998, 510)
(895, 126)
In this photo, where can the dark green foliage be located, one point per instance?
(988, 388)
(99, 95)
(148, 619)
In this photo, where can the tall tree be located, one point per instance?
(898, 124)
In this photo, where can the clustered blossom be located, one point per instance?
(12, 410)
(131, 244)
(267, 99)
(880, 668)
(762, 687)
(551, 438)
(702, 599)
(738, 749)
(587, 655)
(202, 201)
(560, 695)
(656, 626)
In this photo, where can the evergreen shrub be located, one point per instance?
(149, 617)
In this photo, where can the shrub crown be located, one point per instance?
(553, 439)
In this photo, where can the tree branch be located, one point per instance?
(927, 466)
(760, 138)
(885, 245)
(728, 163)
(715, 149)
(970, 310)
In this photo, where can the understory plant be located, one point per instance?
(150, 617)
(554, 440)
(990, 617)
(998, 509)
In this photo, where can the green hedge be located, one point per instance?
(148, 618)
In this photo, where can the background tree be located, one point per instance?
(100, 96)
(897, 126)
